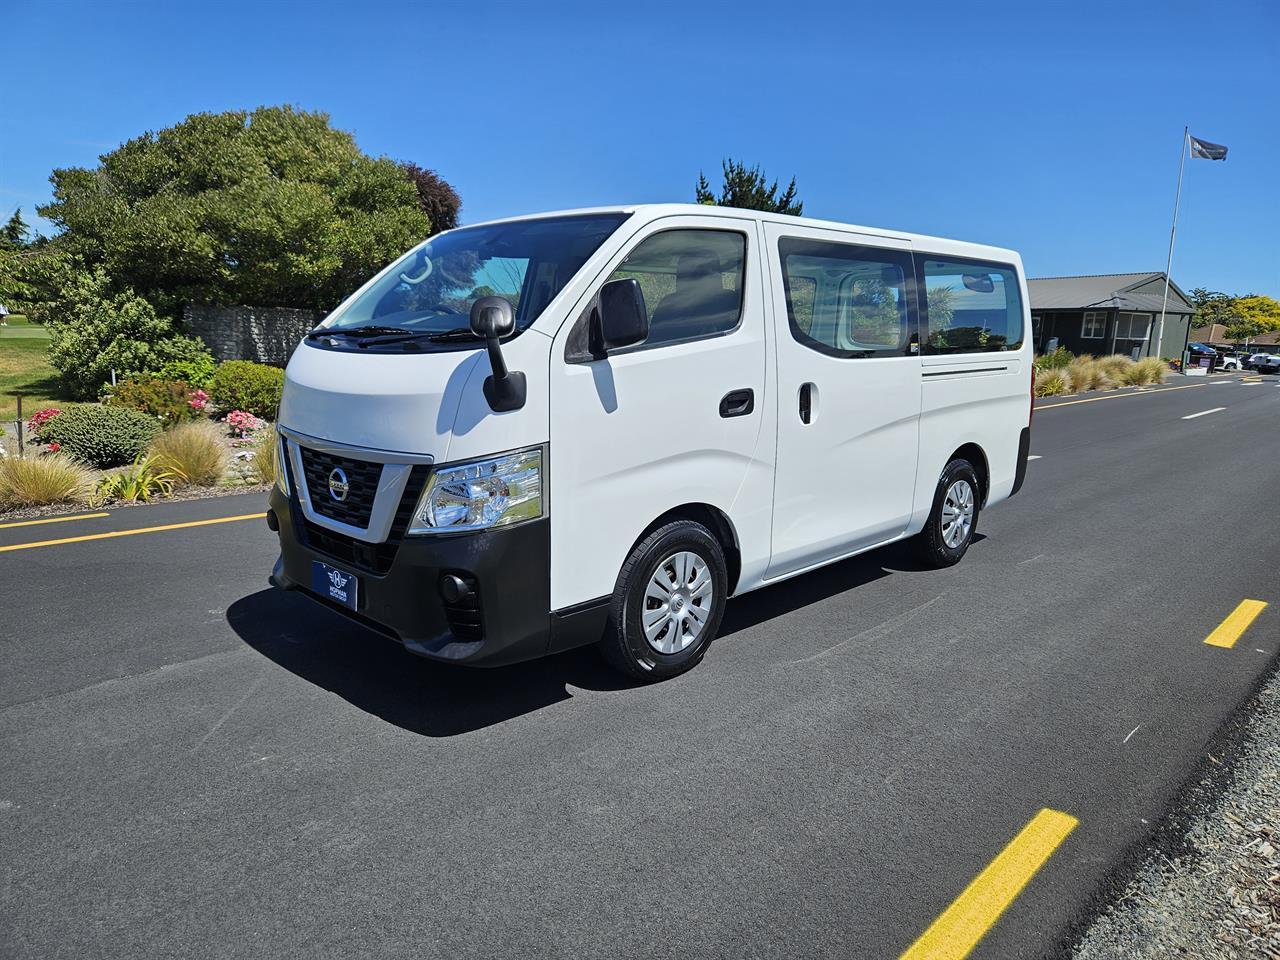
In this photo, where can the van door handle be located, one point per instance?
(806, 402)
(738, 403)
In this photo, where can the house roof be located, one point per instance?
(1106, 291)
(1217, 333)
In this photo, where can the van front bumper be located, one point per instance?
(507, 571)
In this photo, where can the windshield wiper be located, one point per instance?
(360, 333)
(452, 336)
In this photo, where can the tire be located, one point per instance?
(679, 550)
(937, 544)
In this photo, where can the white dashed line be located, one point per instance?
(1202, 413)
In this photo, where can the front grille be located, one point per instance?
(372, 557)
(362, 486)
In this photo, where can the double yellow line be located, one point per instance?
(126, 533)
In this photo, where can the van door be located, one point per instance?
(677, 419)
(847, 340)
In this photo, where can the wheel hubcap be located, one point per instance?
(957, 513)
(677, 602)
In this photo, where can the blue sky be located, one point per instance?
(1052, 128)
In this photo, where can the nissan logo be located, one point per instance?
(338, 486)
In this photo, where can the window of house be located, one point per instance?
(1133, 326)
(1095, 325)
(972, 306)
(847, 300)
(692, 282)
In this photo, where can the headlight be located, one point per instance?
(282, 476)
(487, 493)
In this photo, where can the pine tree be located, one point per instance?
(745, 188)
(15, 232)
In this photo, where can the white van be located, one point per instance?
(596, 426)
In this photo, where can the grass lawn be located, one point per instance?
(25, 368)
(19, 328)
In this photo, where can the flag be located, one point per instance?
(1207, 150)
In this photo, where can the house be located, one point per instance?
(1109, 313)
(1216, 336)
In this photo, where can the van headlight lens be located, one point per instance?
(475, 496)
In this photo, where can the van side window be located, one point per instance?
(972, 306)
(847, 300)
(692, 282)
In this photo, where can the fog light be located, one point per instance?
(453, 589)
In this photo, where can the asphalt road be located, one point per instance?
(192, 764)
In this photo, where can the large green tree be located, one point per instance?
(748, 189)
(269, 208)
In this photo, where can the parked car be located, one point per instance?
(1248, 362)
(1231, 361)
(1200, 351)
(596, 426)
(1266, 363)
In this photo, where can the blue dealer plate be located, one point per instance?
(338, 585)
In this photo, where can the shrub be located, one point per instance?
(244, 385)
(263, 465)
(1050, 383)
(169, 401)
(191, 452)
(93, 331)
(1055, 360)
(35, 481)
(1084, 373)
(1116, 368)
(197, 371)
(1153, 369)
(241, 424)
(142, 480)
(38, 419)
(100, 436)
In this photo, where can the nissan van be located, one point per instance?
(597, 426)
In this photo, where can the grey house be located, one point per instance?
(1109, 313)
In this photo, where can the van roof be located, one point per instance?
(653, 211)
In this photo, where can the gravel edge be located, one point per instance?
(1209, 887)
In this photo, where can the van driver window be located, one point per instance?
(692, 282)
(973, 307)
(846, 300)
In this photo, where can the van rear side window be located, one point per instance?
(972, 307)
(846, 300)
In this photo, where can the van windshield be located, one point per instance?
(431, 290)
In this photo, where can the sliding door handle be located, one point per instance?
(738, 403)
(806, 402)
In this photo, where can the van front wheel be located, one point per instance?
(667, 605)
(954, 517)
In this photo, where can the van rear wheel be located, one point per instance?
(668, 602)
(954, 517)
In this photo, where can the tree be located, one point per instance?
(1262, 310)
(745, 188)
(1213, 307)
(1243, 317)
(437, 198)
(269, 208)
(95, 331)
(15, 233)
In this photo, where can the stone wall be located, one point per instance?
(261, 334)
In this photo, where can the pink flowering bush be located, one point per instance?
(39, 419)
(242, 424)
(197, 400)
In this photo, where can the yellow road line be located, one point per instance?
(959, 928)
(1118, 396)
(130, 533)
(33, 523)
(1229, 630)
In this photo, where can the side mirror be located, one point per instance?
(623, 317)
(492, 317)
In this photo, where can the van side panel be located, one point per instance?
(640, 432)
(975, 398)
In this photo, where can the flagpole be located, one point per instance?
(1173, 233)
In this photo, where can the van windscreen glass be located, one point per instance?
(431, 289)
